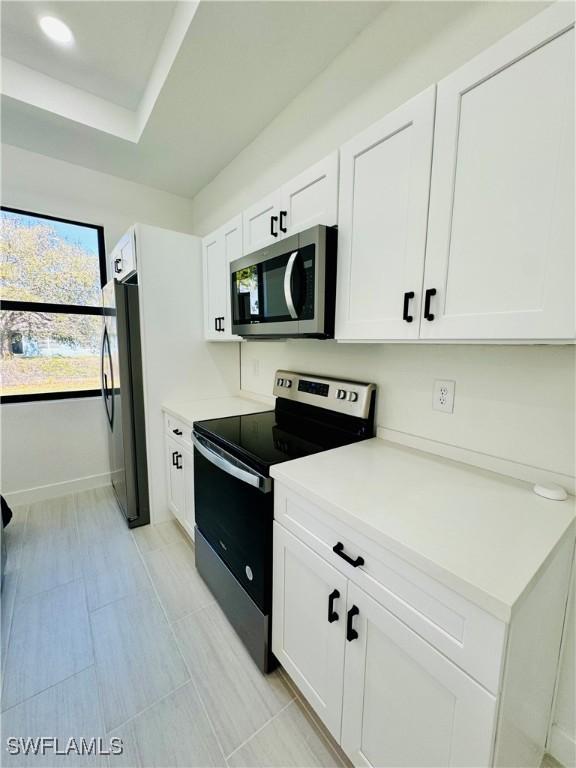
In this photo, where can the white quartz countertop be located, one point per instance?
(484, 535)
(213, 408)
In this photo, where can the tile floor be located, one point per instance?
(108, 632)
(112, 633)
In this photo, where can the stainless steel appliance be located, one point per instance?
(123, 395)
(287, 289)
(234, 491)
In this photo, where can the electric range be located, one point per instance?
(233, 490)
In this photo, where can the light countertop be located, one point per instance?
(190, 411)
(484, 535)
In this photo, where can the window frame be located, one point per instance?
(65, 309)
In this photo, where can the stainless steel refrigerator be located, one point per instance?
(123, 396)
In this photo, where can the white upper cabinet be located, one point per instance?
(123, 258)
(500, 253)
(260, 223)
(405, 704)
(383, 209)
(218, 250)
(310, 198)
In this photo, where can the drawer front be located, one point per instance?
(177, 429)
(469, 636)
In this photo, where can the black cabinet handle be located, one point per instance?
(427, 314)
(283, 215)
(272, 230)
(339, 550)
(407, 297)
(116, 267)
(221, 324)
(178, 457)
(332, 615)
(351, 633)
(174, 459)
(177, 431)
(215, 323)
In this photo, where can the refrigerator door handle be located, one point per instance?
(107, 394)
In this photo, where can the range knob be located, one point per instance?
(341, 394)
(287, 383)
(280, 382)
(352, 397)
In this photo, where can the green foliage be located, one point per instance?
(38, 265)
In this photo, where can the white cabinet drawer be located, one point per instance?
(177, 429)
(466, 634)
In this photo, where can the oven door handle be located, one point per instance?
(231, 466)
(288, 285)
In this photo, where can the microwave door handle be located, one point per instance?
(263, 484)
(288, 285)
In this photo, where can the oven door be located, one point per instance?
(234, 512)
(274, 290)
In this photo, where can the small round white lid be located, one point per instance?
(551, 491)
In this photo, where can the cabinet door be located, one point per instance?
(500, 252)
(308, 640)
(188, 517)
(260, 223)
(175, 478)
(124, 256)
(383, 210)
(311, 198)
(405, 704)
(214, 285)
(232, 250)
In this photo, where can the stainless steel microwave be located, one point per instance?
(288, 289)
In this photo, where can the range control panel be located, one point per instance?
(351, 397)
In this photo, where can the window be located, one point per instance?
(51, 275)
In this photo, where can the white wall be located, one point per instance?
(56, 442)
(515, 403)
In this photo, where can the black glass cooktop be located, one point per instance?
(263, 439)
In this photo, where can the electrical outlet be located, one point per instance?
(443, 396)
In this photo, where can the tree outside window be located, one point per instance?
(51, 275)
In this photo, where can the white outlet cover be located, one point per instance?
(443, 395)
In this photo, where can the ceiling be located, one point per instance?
(163, 93)
(117, 71)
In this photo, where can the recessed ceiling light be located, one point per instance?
(56, 30)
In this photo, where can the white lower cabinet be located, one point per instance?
(308, 624)
(180, 481)
(175, 477)
(405, 704)
(385, 694)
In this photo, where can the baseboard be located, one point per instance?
(42, 492)
(477, 459)
(562, 747)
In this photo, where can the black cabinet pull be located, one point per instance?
(332, 615)
(116, 267)
(427, 314)
(407, 297)
(177, 431)
(339, 550)
(178, 457)
(283, 215)
(174, 459)
(272, 230)
(215, 323)
(351, 633)
(221, 324)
